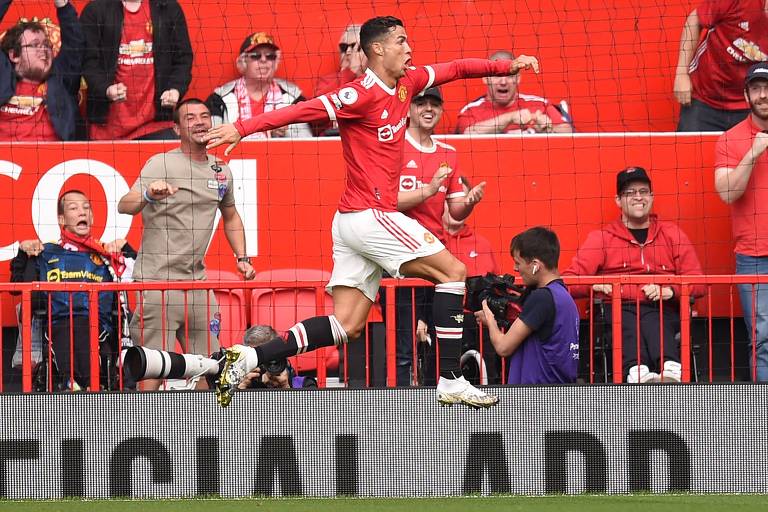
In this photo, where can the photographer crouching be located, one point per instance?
(144, 363)
(542, 341)
(274, 374)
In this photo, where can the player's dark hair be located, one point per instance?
(12, 39)
(540, 243)
(376, 29)
(186, 101)
(60, 203)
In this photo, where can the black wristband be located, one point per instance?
(243, 259)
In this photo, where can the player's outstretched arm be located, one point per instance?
(223, 134)
(479, 68)
(304, 112)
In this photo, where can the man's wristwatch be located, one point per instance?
(243, 259)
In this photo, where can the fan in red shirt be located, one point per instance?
(430, 182)
(39, 74)
(369, 234)
(471, 248)
(505, 110)
(352, 63)
(429, 179)
(132, 114)
(638, 243)
(710, 76)
(741, 180)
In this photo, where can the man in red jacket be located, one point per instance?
(640, 243)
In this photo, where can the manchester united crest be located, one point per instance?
(402, 93)
(429, 238)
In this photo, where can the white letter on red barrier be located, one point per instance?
(44, 216)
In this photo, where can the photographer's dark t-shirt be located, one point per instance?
(539, 312)
(550, 355)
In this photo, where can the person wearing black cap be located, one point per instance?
(430, 182)
(710, 69)
(430, 178)
(138, 65)
(257, 90)
(741, 180)
(640, 243)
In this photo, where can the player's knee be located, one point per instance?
(456, 272)
(355, 332)
(353, 329)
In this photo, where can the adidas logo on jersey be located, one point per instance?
(412, 165)
(744, 25)
(385, 114)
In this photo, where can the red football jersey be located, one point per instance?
(474, 250)
(372, 120)
(737, 37)
(135, 116)
(25, 117)
(483, 109)
(749, 213)
(419, 166)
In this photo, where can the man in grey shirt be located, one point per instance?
(178, 193)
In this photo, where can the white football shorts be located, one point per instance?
(368, 241)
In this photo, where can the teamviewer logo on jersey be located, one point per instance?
(387, 133)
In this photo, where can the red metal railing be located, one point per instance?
(722, 284)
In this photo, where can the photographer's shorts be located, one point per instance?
(368, 241)
(196, 329)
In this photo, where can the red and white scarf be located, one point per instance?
(73, 242)
(273, 98)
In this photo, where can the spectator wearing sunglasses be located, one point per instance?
(352, 63)
(138, 65)
(638, 242)
(257, 90)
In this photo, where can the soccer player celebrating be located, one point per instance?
(369, 234)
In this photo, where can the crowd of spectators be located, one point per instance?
(136, 59)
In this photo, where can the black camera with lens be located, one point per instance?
(274, 367)
(504, 297)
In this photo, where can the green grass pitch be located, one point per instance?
(613, 503)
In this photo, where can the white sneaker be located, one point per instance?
(238, 361)
(642, 375)
(672, 372)
(460, 391)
